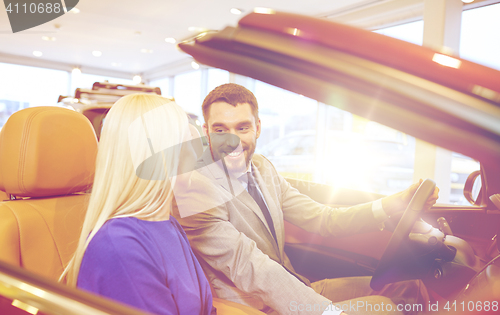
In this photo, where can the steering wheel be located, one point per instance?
(383, 274)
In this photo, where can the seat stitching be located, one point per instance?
(24, 142)
(22, 153)
(50, 232)
(46, 225)
(18, 233)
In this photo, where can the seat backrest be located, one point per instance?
(47, 161)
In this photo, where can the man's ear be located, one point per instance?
(205, 130)
(258, 129)
(207, 135)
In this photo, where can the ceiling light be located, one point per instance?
(137, 79)
(195, 65)
(264, 11)
(49, 38)
(467, 1)
(97, 53)
(447, 61)
(76, 71)
(236, 11)
(37, 53)
(146, 51)
(116, 64)
(170, 40)
(74, 11)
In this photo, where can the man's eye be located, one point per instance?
(219, 130)
(244, 128)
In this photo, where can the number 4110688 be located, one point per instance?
(472, 306)
(34, 8)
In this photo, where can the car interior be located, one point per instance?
(453, 247)
(47, 195)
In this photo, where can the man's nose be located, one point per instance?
(232, 140)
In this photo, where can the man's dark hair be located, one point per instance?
(233, 94)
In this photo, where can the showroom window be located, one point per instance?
(24, 86)
(480, 38)
(163, 84)
(187, 91)
(282, 112)
(215, 78)
(411, 32)
(190, 88)
(308, 140)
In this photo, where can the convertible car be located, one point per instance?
(438, 98)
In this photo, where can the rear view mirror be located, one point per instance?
(472, 188)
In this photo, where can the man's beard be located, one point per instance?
(239, 165)
(234, 165)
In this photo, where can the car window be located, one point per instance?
(291, 145)
(363, 155)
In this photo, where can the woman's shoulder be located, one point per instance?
(122, 232)
(120, 241)
(121, 228)
(116, 235)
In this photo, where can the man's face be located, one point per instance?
(226, 121)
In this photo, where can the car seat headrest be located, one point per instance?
(47, 151)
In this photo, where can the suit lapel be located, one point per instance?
(214, 170)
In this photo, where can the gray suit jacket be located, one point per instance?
(236, 249)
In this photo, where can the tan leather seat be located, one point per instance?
(47, 161)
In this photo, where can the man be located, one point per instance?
(240, 240)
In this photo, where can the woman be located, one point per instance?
(131, 249)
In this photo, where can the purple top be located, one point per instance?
(146, 264)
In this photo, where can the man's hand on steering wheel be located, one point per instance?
(424, 197)
(399, 201)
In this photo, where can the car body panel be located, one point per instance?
(381, 49)
(23, 292)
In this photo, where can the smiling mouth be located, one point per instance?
(235, 153)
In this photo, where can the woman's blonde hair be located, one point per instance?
(137, 127)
